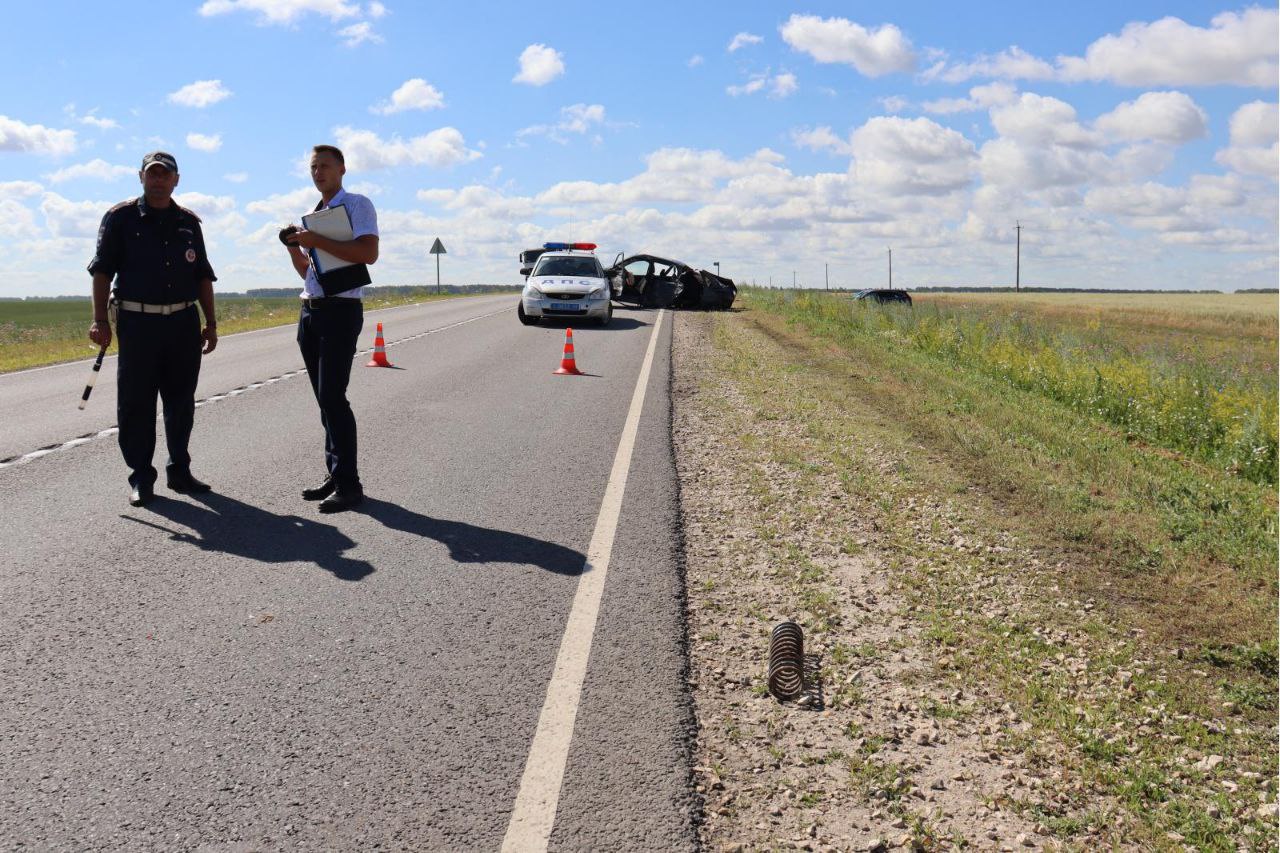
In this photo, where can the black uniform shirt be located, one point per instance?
(155, 255)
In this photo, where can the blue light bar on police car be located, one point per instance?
(561, 247)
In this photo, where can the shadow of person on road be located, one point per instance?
(468, 543)
(230, 526)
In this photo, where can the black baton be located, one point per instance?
(93, 377)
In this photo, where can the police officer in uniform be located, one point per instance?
(153, 251)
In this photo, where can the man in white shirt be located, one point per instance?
(330, 322)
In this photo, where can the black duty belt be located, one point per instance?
(328, 301)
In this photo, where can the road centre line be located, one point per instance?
(535, 810)
(114, 428)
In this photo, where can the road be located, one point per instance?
(236, 671)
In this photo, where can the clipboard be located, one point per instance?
(334, 274)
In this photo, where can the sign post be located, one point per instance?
(438, 249)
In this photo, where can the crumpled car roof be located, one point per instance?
(683, 287)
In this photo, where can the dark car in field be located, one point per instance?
(885, 297)
(653, 282)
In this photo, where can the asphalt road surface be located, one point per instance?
(237, 671)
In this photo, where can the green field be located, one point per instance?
(34, 333)
(1129, 443)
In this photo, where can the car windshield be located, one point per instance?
(568, 266)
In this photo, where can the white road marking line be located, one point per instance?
(76, 442)
(539, 796)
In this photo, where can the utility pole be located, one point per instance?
(890, 267)
(1017, 273)
(826, 276)
(793, 279)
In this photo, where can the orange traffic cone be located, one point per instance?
(568, 367)
(379, 351)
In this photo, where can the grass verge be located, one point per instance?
(1136, 664)
(40, 332)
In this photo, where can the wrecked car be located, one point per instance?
(653, 282)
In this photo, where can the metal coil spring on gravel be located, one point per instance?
(786, 661)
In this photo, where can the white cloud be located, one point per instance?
(873, 53)
(1235, 49)
(578, 118)
(777, 86)
(742, 40)
(67, 218)
(236, 177)
(894, 103)
(20, 189)
(980, 98)
(204, 142)
(1255, 124)
(283, 11)
(35, 138)
(755, 84)
(1254, 149)
(1039, 120)
(97, 169)
(17, 221)
(93, 120)
(1013, 63)
(539, 65)
(199, 94)
(415, 94)
(284, 207)
(821, 139)
(1162, 116)
(575, 118)
(1149, 199)
(911, 156)
(360, 33)
(375, 10)
(439, 149)
(695, 60)
(204, 205)
(1033, 165)
(477, 202)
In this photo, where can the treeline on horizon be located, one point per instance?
(976, 288)
(269, 292)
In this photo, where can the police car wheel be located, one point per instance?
(608, 315)
(525, 319)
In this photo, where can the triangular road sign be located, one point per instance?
(437, 248)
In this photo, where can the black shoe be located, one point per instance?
(143, 493)
(187, 485)
(321, 491)
(342, 500)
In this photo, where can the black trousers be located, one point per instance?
(159, 354)
(327, 336)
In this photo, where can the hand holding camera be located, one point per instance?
(286, 235)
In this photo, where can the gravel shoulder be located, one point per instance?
(911, 736)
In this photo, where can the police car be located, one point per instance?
(567, 282)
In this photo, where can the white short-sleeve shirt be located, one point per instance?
(364, 220)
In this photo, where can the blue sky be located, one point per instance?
(1135, 141)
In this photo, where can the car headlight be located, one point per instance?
(532, 292)
(598, 293)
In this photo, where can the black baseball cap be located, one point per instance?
(163, 158)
